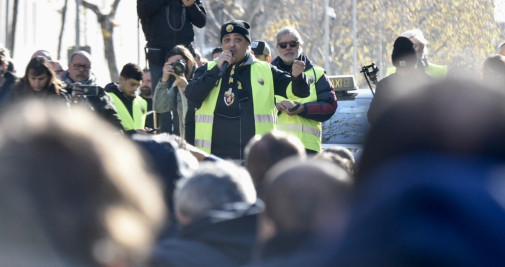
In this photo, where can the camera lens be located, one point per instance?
(179, 67)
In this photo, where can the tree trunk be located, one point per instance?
(60, 37)
(107, 31)
(12, 40)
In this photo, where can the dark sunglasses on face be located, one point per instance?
(291, 44)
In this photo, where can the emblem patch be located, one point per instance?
(311, 79)
(260, 81)
(229, 97)
(229, 28)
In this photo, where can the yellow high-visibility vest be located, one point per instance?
(265, 113)
(307, 130)
(139, 109)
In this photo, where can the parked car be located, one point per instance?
(349, 125)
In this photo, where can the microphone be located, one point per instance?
(223, 69)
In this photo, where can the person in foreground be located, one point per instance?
(72, 196)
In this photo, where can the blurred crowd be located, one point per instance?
(234, 173)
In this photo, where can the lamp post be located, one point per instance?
(326, 38)
(77, 25)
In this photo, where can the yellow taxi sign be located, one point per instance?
(343, 82)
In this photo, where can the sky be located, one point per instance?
(39, 27)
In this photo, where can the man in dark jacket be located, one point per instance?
(406, 78)
(167, 23)
(79, 73)
(7, 79)
(319, 106)
(215, 208)
(238, 101)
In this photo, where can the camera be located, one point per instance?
(179, 67)
(371, 71)
(88, 90)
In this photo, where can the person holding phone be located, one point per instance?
(79, 72)
(303, 117)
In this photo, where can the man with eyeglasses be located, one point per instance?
(236, 92)
(79, 73)
(303, 116)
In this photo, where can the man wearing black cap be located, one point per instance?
(235, 94)
(406, 78)
(261, 51)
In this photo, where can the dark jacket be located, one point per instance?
(211, 241)
(158, 32)
(21, 91)
(326, 104)
(231, 135)
(6, 87)
(127, 101)
(101, 103)
(392, 87)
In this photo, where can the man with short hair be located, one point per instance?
(238, 101)
(146, 92)
(264, 151)
(303, 116)
(215, 207)
(7, 79)
(216, 52)
(261, 51)
(291, 229)
(132, 109)
(79, 73)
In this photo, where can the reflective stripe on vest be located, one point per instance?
(299, 128)
(265, 113)
(308, 131)
(139, 109)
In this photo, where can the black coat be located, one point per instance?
(158, 33)
(210, 242)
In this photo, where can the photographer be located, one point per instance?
(169, 92)
(79, 73)
(166, 24)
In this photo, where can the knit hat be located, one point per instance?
(260, 48)
(236, 26)
(404, 54)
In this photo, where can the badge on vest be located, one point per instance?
(311, 79)
(229, 97)
(260, 81)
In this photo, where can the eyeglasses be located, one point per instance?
(283, 45)
(81, 67)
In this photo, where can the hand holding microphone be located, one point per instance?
(224, 61)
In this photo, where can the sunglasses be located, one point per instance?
(283, 45)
